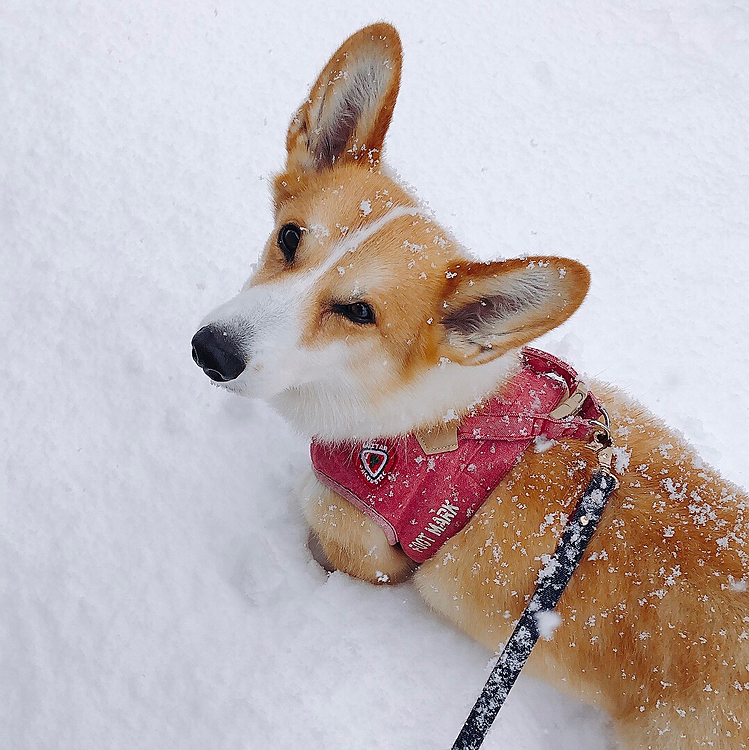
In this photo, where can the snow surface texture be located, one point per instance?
(156, 588)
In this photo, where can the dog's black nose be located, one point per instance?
(217, 353)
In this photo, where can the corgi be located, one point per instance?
(365, 322)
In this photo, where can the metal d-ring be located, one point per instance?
(603, 433)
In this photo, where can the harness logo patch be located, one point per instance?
(373, 460)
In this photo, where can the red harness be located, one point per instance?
(421, 499)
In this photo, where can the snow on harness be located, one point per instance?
(423, 488)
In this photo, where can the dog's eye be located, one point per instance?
(288, 240)
(356, 312)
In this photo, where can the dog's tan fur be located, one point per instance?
(655, 623)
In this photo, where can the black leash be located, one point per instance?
(552, 581)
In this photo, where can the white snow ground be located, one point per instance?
(155, 587)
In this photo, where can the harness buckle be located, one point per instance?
(572, 404)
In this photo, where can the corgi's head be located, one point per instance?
(364, 317)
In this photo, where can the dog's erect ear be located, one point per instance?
(490, 308)
(349, 108)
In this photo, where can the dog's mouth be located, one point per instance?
(233, 387)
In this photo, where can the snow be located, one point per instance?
(541, 444)
(547, 622)
(157, 590)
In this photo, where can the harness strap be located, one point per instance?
(552, 581)
(521, 426)
(547, 363)
(571, 418)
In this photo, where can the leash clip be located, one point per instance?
(602, 443)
